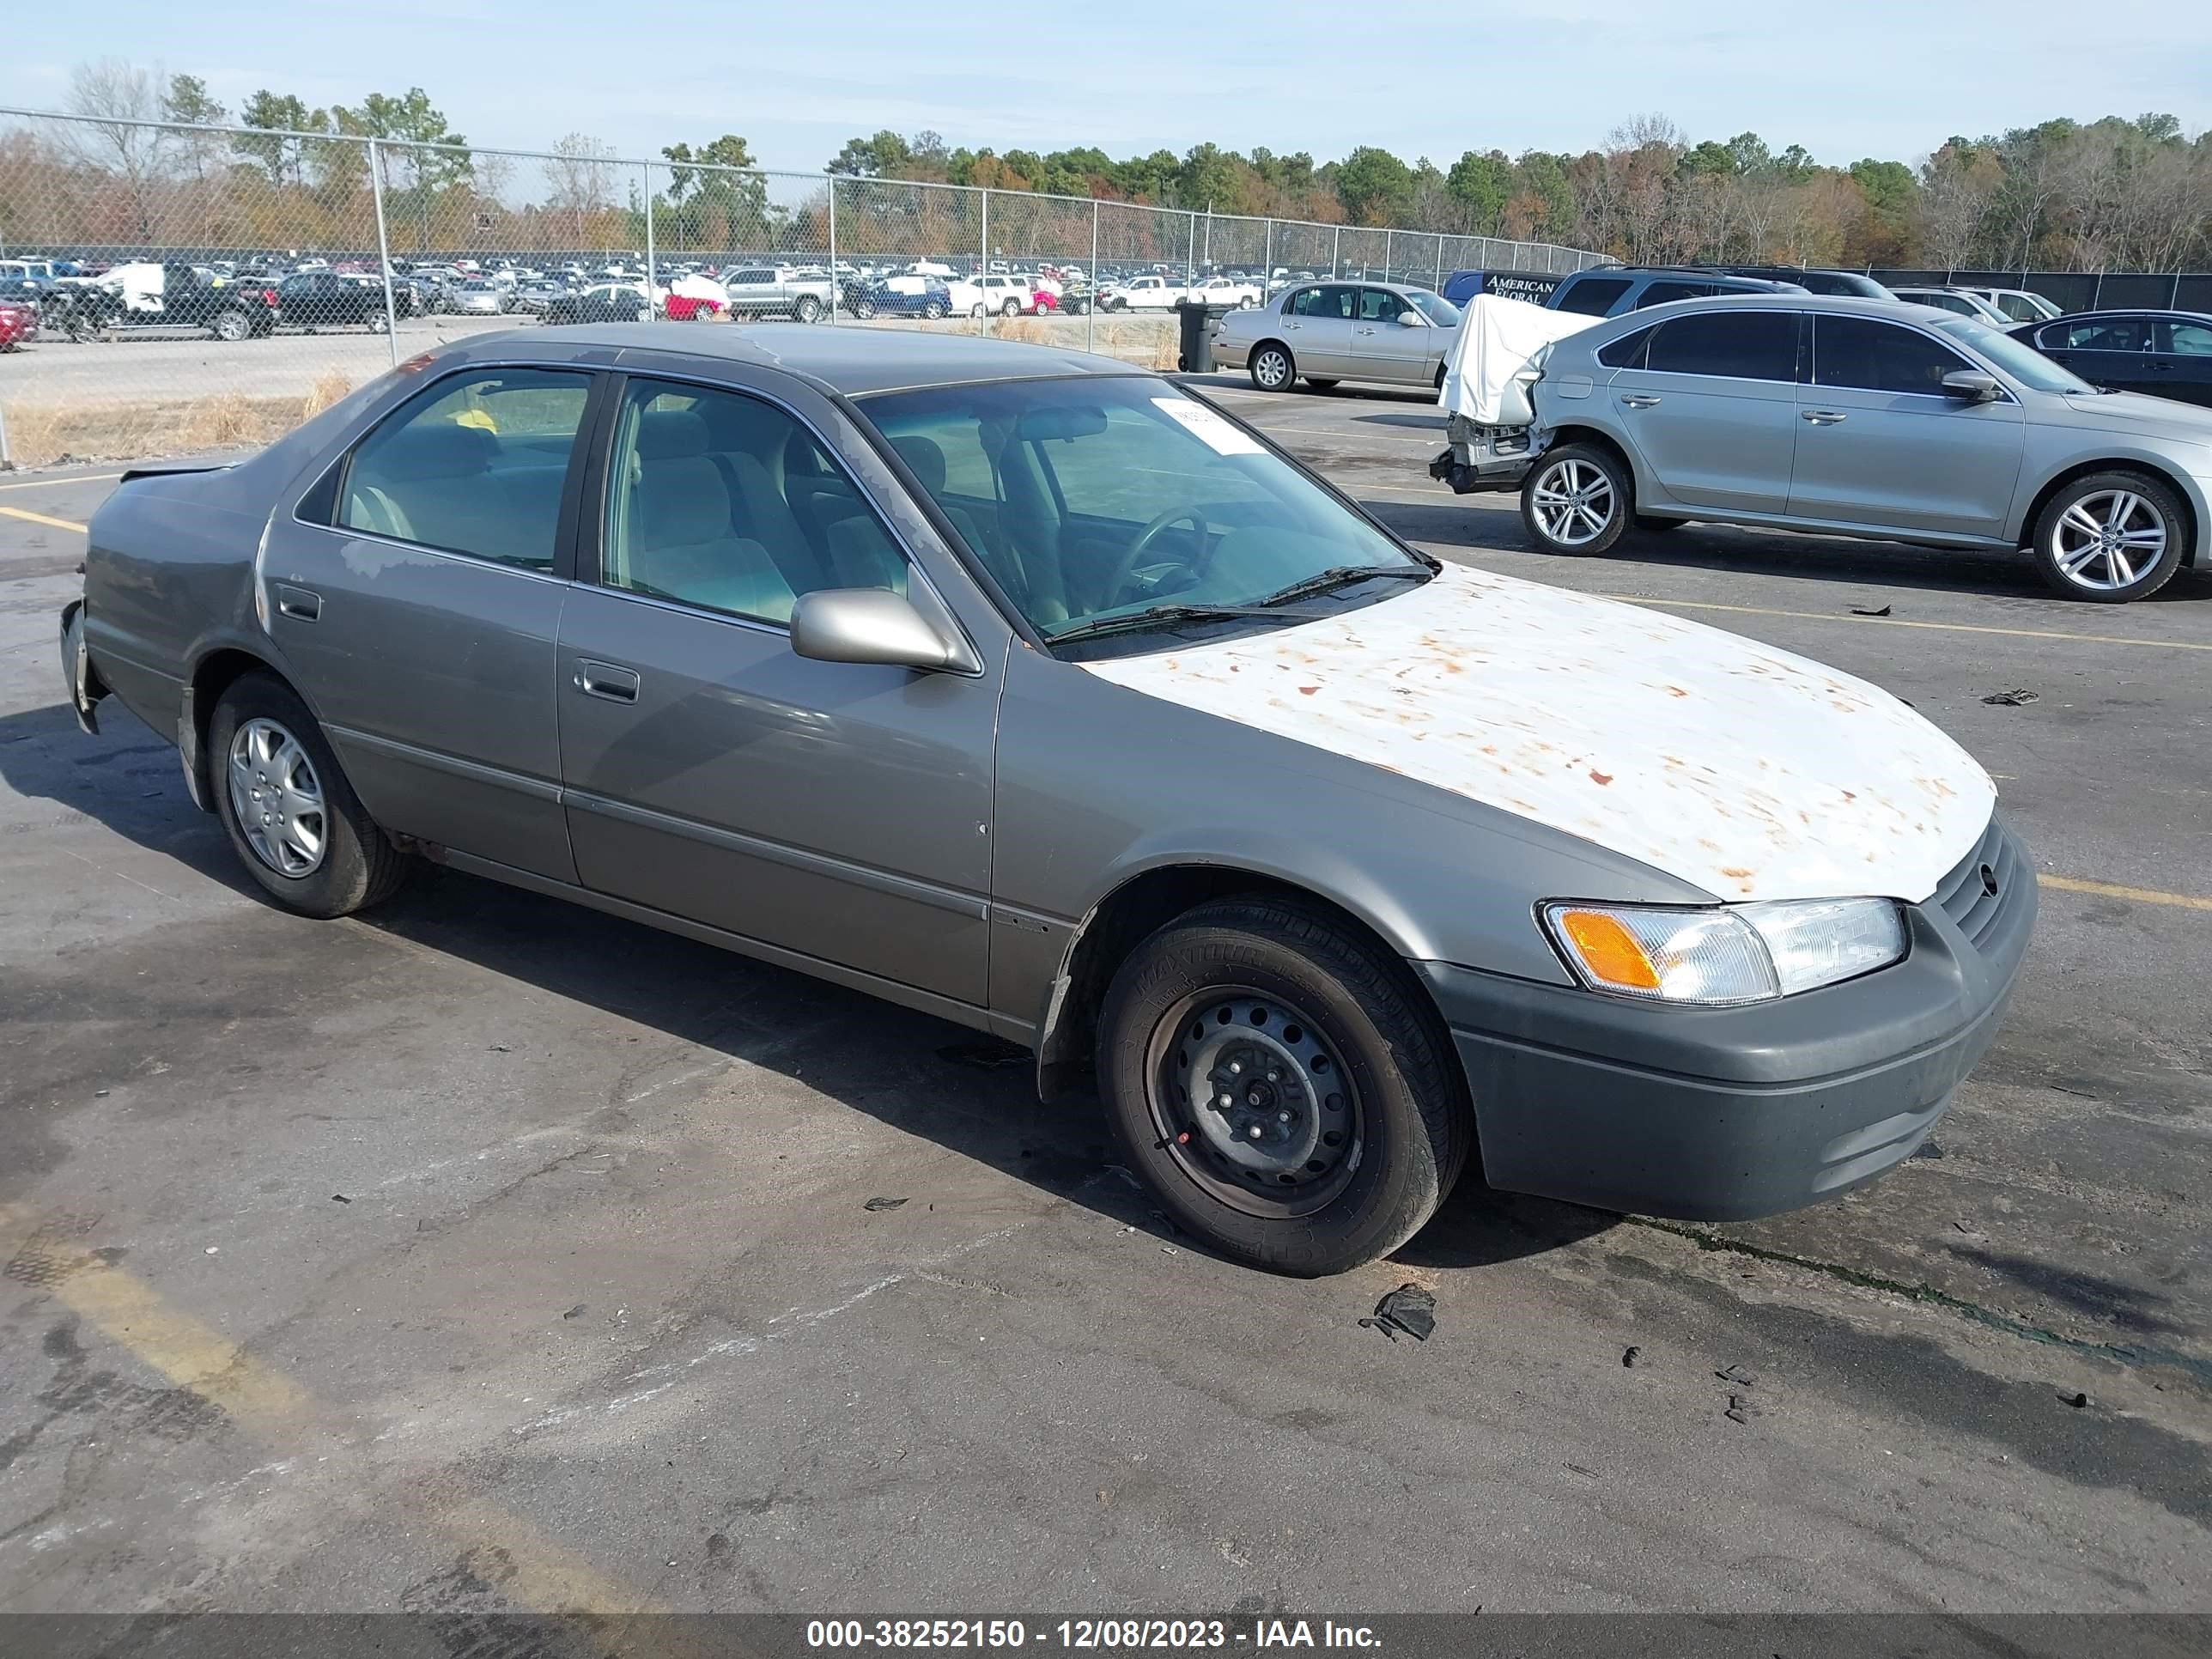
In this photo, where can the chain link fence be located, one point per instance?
(180, 288)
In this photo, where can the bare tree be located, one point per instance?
(114, 96)
(580, 182)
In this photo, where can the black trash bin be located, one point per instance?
(1196, 355)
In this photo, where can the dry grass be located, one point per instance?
(41, 435)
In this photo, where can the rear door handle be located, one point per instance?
(1820, 417)
(605, 679)
(298, 603)
(1639, 400)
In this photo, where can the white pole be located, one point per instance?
(1091, 310)
(1387, 276)
(983, 322)
(1335, 251)
(836, 287)
(383, 250)
(648, 240)
(1267, 265)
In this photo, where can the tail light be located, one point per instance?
(268, 296)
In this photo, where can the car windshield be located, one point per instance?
(2022, 361)
(1438, 309)
(1106, 497)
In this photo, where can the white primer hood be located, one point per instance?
(1748, 771)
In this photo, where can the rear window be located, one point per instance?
(1626, 352)
(1660, 294)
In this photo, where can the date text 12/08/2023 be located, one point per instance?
(1086, 1635)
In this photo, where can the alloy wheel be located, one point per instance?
(2108, 540)
(1272, 370)
(1574, 502)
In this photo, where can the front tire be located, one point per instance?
(232, 327)
(932, 310)
(1274, 368)
(1348, 1121)
(1577, 500)
(291, 815)
(1011, 308)
(2111, 537)
(809, 309)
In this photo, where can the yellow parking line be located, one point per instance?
(2134, 895)
(1898, 622)
(41, 517)
(546, 1576)
(56, 484)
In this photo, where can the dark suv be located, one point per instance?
(1851, 284)
(1609, 290)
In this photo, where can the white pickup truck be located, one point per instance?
(1163, 294)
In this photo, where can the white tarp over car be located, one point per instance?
(1498, 340)
(696, 286)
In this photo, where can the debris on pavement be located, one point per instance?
(576, 1312)
(1734, 1373)
(1928, 1149)
(2012, 699)
(1740, 1409)
(340, 1198)
(1629, 1357)
(1409, 1309)
(984, 1056)
(883, 1204)
(1869, 610)
(2078, 1401)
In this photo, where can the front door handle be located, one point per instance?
(1820, 417)
(298, 603)
(1366, 331)
(604, 679)
(1639, 400)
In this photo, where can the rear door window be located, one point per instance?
(1591, 296)
(1876, 356)
(2110, 334)
(1738, 345)
(476, 464)
(2186, 339)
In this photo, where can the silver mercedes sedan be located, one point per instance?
(1325, 333)
(1029, 690)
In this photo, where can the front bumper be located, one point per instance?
(1725, 1114)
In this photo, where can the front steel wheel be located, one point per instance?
(1252, 1102)
(2110, 538)
(1282, 1085)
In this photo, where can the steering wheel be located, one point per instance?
(1126, 570)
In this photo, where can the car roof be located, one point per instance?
(2120, 311)
(1840, 305)
(851, 360)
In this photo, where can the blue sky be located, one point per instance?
(1875, 78)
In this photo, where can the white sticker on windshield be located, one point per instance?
(1218, 435)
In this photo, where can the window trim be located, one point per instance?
(592, 520)
(564, 535)
(1812, 360)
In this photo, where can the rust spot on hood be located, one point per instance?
(1597, 776)
(1308, 690)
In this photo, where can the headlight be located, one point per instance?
(1732, 953)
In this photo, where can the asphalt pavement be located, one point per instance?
(490, 1253)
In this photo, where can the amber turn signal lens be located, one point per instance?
(1608, 950)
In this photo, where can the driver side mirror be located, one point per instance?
(1410, 318)
(874, 625)
(1971, 385)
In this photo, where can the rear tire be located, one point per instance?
(809, 309)
(232, 327)
(1011, 308)
(355, 865)
(2111, 537)
(1316, 1014)
(1577, 499)
(1273, 367)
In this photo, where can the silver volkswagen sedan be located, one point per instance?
(1028, 690)
(1329, 332)
(1863, 418)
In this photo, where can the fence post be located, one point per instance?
(1190, 259)
(383, 250)
(1440, 264)
(836, 287)
(982, 270)
(1335, 251)
(1090, 310)
(1387, 276)
(1268, 264)
(648, 241)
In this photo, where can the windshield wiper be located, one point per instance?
(1343, 575)
(1165, 615)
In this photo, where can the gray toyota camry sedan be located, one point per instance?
(1029, 690)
